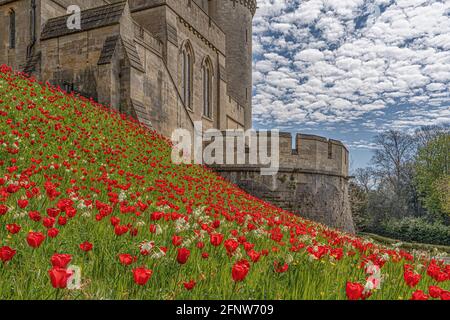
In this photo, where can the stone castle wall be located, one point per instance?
(312, 180)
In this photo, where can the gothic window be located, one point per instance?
(12, 29)
(187, 74)
(207, 88)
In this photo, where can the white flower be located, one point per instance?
(86, 214)
(122, 196)
(147, 246)
(140, 223)
(181, 225)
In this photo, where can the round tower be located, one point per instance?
(235, 18)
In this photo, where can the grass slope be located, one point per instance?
(74, 172)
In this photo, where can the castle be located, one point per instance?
(170, 63)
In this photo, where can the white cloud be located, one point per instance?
(328, 61)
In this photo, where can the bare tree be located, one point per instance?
(365, 178)
(393, 162)
(426, 134)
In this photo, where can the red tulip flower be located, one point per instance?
(61, 260)
(189, 285)
(411, 278)
(142, 275)
(49, 222)
(354, 291)
(35, 239)
(35, 216)
(240, 270)
(53, 212)
(231, 245)
(254, 255)
(445, 295)
(279, 268)
(115, 221)
(7, 254)
(435, 292)
(216, 239)
(183, 255)
(59, 277)
(120, 230)
(52, 232)
(3, 209)
(126, 259)
(23, 203)
(13, 228)
(419, 295)
(86, 246)
(177, 241)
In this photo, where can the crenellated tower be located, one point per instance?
(235, 18)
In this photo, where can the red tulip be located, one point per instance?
(354, 291)
(59, 277)
(126, 259)
(62, 221)
(86, 246)
(280, 268)
(240, 270)
(3, 209)
(48, 222)
(35, 239)
(141, 275)
(435, 292)
(61, 260)
(411, 278)
(216, 239)
(23, 203)
(419, 295)
(200, 245)
(35, 216)
(53, 212)
(254, 256)
(189, 285)
(7, 254)
(177, 241)
(13, 228)
(445, 295)
(115, 221)
(231, 245)
(52, 232)
(120, 230)
(183, 255)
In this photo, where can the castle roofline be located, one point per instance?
(94, 18)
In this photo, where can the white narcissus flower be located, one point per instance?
(86, 214)
(146, 247)
(289, 259)
(140, 223)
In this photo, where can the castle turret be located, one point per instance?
(235, 18)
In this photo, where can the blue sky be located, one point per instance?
(349, 69)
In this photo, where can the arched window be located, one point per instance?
(207, 74)
(187, 74)
(12, 29)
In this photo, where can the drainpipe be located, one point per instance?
(32, 28)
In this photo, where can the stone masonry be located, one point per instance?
(312, 180)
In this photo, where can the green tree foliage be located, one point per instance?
(433, 176)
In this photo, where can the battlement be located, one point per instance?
(308, 153)
(250, 4)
